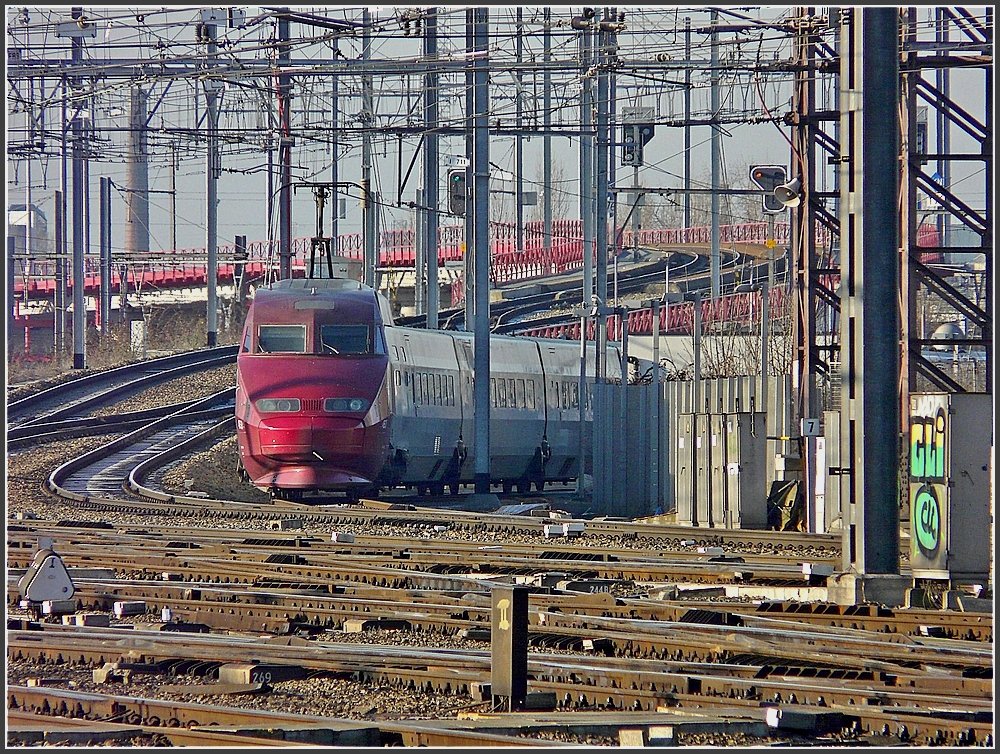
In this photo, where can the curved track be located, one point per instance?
(74, 398)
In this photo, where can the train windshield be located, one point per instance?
(345, 339)
(281, 339)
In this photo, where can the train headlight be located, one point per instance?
(278, 405)
(334, 405)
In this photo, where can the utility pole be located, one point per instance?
(687, 124)
(269, 205)
(431, 170)
(518, 139)
(105, 191)
(420, 254)
(285, 143)
(11, 274)
(611, 208)
(480, 193)
(942, 133)
(368, 123)
(587, 161)
(335, 155)
(79, 200)
(173, 195)
(804, 276)
(547, 138)
(62, 231)
(870, 329)
(211, 191)
(601, 204)
(468, 220)
(716, 252)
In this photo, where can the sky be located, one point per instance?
(139, 40)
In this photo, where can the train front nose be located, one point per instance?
(325, 452)
(287, 440)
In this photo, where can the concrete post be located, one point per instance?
(211, 199)
(431, 172)
(716, 252)
(480, 195)
(105, 211)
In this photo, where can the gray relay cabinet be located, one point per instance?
(721, 477)
(746, 471)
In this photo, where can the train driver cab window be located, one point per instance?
(344, 339)
(281, 339)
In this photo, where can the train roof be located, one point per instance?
(320, 284)
(295, 288)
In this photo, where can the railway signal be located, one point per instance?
(630, 145)
(457, 191)
(634, 137)
(768, 178)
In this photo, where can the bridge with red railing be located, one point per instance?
(185, 268)
(676, 318)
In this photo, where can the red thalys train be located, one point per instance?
(330, 396)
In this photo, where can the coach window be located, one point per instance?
(530, 399)
(345, 339)
(281, 339)
(519, 392)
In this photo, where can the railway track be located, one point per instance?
(359, 610)
(687, 269)
(515, 315)
(77, 397)
(104, 471)
(739, 673)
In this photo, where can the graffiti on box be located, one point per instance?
(929, 428)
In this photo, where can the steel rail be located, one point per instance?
(49, 729)
(112, 385)
(136, 710)
(378, 512)
(101, 425)
(589, 683)
(123, 445)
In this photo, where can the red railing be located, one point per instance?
(564, 252)
(674, 318)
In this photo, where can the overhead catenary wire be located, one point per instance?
(164, 38)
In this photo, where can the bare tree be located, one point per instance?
(561, 195)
